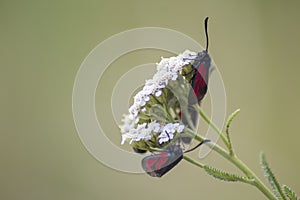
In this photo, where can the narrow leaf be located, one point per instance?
(290, 193)
(228, 123)
(225, 176)
(271, 177)
(230, 118)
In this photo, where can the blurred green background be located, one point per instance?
(255, 45)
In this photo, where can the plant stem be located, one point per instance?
(257, 182)
(231, 156)
(209, 122)
(239, 164)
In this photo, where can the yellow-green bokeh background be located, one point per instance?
(255, 45)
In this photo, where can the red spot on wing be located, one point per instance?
(163, 157)
(203, 71)
(150, 163)
(199, 81)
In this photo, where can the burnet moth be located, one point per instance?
(201, 67)
(200, 70)
(157, 165)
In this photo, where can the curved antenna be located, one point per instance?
(198, 145)
(205, 28)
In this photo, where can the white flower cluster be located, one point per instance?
(145, 131)
(168, 132)
(167, 70)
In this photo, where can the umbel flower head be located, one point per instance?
(154, 117)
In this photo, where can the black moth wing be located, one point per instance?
(199, 83)
(159, 164)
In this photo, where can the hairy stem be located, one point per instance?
(239, 164)
(231, 157)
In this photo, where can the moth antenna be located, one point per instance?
(206, 33)
(198, 145)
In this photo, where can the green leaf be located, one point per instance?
(228, 123)
(290, 193)
(225, 176)
(230, 118)
(271, 177)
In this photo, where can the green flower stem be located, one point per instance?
(209, 122)
(239, 164)
(256, 181)
(231, 157)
